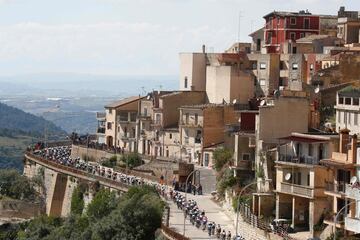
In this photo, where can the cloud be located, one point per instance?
(104, 47)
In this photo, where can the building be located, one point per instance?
(271, 124)
(227, 78)
(101, 127)
(347, 109)
(239, 47)
(193, 71)
(202, 126)
(287, 27)
(301, 180)
(348, 25)
(159, 119)
(121, 117)
(265, 68)
(257, 44)
(317, 43)
(341, 166)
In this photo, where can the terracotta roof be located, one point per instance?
(123, 101)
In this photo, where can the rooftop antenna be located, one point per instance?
(143, 90)
(238, 37)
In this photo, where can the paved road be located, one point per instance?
(212, 211)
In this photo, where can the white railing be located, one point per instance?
(297, 189)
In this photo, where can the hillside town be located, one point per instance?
(286, 105)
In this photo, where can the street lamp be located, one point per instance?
(338, 214)
(238, 200)
(186, 183)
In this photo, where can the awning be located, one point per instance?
(303, 139)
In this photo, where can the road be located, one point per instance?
(212, 210)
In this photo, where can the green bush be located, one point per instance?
(221, 157)
(16, 186)
(77, 201)
(111, 162)
(132, 160)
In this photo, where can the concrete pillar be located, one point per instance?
(57, 199)
(293, 213)
(311, 216)
(259, 207)
(277, 214)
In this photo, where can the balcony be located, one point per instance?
(352, 191)
(298, 160)
(352, 224)
(191, 125)
(101, 130)
(244, 165)
(337, 188)
(100, 115)
(144, 117)
(299, 190)
(156, 123)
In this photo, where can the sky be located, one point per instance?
(129, 37)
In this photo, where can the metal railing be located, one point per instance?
(298, 159)
(297, 189)
(335, 187)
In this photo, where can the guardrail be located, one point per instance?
(77, 173)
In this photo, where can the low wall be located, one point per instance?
(80, 151)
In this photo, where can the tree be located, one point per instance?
(103, 203)
(14, 185)
(222, 156)
(132, 160)
(77, 201)
(111, 162)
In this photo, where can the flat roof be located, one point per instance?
(123, 101)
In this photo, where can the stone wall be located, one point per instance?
(79, 151)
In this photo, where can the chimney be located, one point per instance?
(354, 148)
(344, 140)
(203, 48)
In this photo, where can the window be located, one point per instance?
(308, 179)
(167, 153)
(196, 118)
(262, 65)
(344, 119)
(246, 156)
(271, 22)
(341, 100)
(110, 111)
(170, 136)
(356, 101)
(295, 66)
(185, 82)
(269, 38)
(293, 21)
(347, 101)
(198, 136)
(339, 116)
(310, 152)
(262, 82)
(258, 44)
(206, 160)
(109, 125)
(355, 119)
(145, 111)
(306, 23)
(293, 36)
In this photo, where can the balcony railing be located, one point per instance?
(100, 115)
(100, 130)
(300, 190)
(191, 125)
(335, 187)
(300, 160)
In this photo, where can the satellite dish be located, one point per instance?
(148, 97)
(239, 120)
(288, 176)
(321, 74)
(317, 89)
(234, 101)
(262, 103)
(353, 180)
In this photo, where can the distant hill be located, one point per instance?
(16, 120)
(18, 129)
